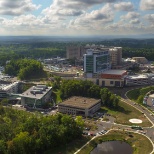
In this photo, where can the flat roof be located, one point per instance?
(80, 102)
(139, 76)
(28, 93)
(115, 72)
(9, 86)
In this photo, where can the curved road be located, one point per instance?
(149, 130)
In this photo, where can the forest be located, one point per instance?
(51, 49)
(24, 68)
(23, 132)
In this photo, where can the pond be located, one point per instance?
(113, 147)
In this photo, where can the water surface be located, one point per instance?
(113, 147)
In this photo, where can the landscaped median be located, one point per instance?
(139, 143)
(138, 94)
(126, 112)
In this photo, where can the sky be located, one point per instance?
(76, 17)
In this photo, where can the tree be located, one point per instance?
(79, 121)
(108, 99)
(20, 144)
(4, 101)
(3, 147)
(24, 68)
(140, 99)
(104, 95)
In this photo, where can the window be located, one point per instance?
(111, 82)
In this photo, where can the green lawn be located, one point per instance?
(139, 143)
(126, 112)
(135, 93)
(58, 98)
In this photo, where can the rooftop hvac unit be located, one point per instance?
(36, 92)
(36, 88)
(42, 86)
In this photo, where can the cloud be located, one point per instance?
(72, 7)
(1, 19)
(124, 6)
(93, 20)
(147, 4)
(129, 28)
(135, 21)
(130, 15)
(150, 18)
(16, 7)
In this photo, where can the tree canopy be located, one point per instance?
(23, 133)
(87, 88)
(24, 68)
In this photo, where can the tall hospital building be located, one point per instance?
(96, 62)
(115, 56)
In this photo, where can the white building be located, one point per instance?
(36, 96)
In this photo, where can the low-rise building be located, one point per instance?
(138, 79)
(36, 96)
(112, 78)
(3, 94)
(7, 89)
(140, 60)
(11, 88)
(80, 106)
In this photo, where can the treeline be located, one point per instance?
(48, 49)
(23, 133)
(24, 68)
(139, 52)
(31, 50)
(87, 88)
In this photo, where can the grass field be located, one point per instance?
(139, 143)
(126, 112)
(134, 94)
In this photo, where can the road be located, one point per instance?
(149, 131)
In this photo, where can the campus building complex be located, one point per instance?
(80, 106)
(36, 96)
(96, 62)
(114, 52)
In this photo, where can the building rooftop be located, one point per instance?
(116, 72)
(80, 102)
(7, 87)
(36, 92)
(139, 76)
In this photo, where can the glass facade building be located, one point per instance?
(96, 61)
